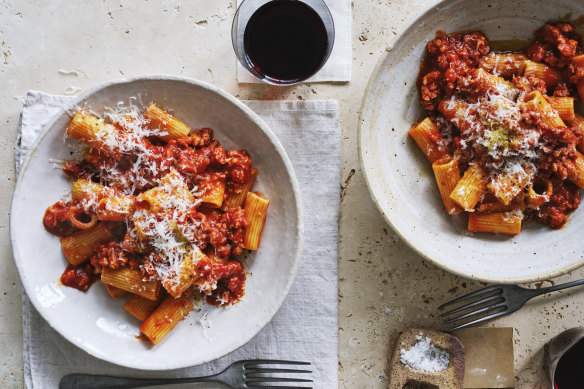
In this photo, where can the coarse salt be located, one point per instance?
(425, 356)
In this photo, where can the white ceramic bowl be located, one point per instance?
(99, 324)
(400, 179)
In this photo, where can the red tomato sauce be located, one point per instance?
(450, 69)
(79, 277)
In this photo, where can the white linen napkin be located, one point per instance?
(338, 65)
(305, 328)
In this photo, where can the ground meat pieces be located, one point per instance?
(78, 169)
(201, 137)
(529, 84)
(557, 152)
(223, 231)
(230, 283)
(555, 45)
(448, 58)
(575, 71)
(238, 169)
(563, 201)
(194, 161)
(431, 88)
(112, 255)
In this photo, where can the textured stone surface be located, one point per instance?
(384, 287)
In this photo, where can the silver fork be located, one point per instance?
(505, 299)
(239, 375)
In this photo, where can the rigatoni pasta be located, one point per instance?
(508, 223)
(79, 246)
(256, 208)
(164, 318)
(447, 176)
(141, 308)
(157, 209)
(131, 280)
(470, 188)
(509, 123)
(114, 292)
(168, 126)
(429, 139)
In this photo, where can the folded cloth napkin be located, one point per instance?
(338, 65)
(305, 328)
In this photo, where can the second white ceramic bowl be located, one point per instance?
(400, 179)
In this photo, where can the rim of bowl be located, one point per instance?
(275, 142)
(369, 179)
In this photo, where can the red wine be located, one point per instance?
(286, 41)
(570, 370)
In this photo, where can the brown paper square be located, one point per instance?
(489, 357)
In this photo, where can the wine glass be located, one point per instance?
(283, 42)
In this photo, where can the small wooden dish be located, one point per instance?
(403, 376)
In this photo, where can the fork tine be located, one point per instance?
(273, 362)
(479, 320)
(473, 294)
(275, 379)
(473, 304)
(266, 370)
(474, 313)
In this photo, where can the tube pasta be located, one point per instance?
(117, 208)
(172, 189)
(470, 188)
(235, 200)
(508, 223)
(114, 292)
(564, 106)
(165, 122)
(78, 247)
(506, 185)
(215, 191)
(429, 139)
(549, 116)
(170, 312)
(447, 176)
(534, 199)
(550, 76)
(141, 307)
(493, 81)
(95, 133)
(577, 177)
(130, 280)
(505, 65)
(518, 202)
(187, 273)
(508, 123)
(82, 188)
(133, 220)
(256, 208)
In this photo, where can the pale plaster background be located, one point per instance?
(70, 46)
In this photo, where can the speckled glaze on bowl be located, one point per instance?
(97, 323)
(400, 179)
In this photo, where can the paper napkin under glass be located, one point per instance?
(338, 65)
(305, 328)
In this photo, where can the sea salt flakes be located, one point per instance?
(424, 356)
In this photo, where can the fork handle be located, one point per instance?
(558, 287)
(89, 381)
